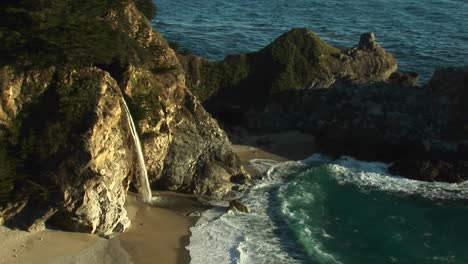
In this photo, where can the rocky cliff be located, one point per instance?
(65, 132)
(353, 100)
(297, 60)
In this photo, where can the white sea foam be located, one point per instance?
(255, 238)
(233, 237)
(375, 176)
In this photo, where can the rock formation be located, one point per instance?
(236, 205)
(297, 60)
(66, 127)
(353, 100)
(421, 129)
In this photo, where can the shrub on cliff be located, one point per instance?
(43, 33)
(293, 61)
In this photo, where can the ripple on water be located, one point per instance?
(422, 34)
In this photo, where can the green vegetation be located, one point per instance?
(61, 32)
(145, 97)
(68, 35)
(216, 75)
(301, 56)
(292, 61)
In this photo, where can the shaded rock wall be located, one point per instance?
(423, 129)
(184, 147)
(297, 60)
(66, 126)
(353, 100)
(75, 143)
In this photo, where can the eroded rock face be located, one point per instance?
(422, 129)
(200, 159)
(69, 125)
(19, 88)
(297, 60)
(185, 150)
(107, 159)
(80, 149)
(353, 100)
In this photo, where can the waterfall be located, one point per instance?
(145, 189)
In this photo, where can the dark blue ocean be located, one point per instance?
(321, 210)
(422, 34)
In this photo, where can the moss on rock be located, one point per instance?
(296, 60)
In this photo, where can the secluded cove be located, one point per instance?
(342, 210)
(126, 138)
(325, 211)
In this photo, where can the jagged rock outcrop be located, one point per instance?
(297, 60)
(237, 205)
(445, 155)
(66, 127)
(421, 129)
(76, 139)
(184, 147)
(353, 100)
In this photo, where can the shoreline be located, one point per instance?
(289, 145)
(160, 232)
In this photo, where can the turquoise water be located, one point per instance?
(337, 211)
(422, 34)
(321, 210)
(357, 226)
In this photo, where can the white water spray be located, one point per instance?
(145, 189)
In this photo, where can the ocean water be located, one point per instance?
(337, 211)
(422, 34)
(321, 210)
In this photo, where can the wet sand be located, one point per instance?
(291, 145)
(158, 234)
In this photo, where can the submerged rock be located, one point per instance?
(409, 79)
(194, 214)
(432, 170)
(236, 205)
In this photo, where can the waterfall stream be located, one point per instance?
(144, 188)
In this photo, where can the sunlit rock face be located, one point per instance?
(352, 99)
(67, 128)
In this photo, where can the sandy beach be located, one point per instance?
(158, 234)
(290, 145)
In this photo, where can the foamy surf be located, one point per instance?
(253, 238)
(291, 221)
(229, 237)
(375, 176)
